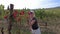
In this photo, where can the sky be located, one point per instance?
(31, 4)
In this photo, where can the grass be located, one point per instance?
(52, 18)
(48, 33)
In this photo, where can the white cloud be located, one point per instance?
(19, 4)
(32, 4)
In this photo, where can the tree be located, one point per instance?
(1, 11)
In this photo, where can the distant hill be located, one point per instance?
(58, 7)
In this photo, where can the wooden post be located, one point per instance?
(2, 30)
(10, 18)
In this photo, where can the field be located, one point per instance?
(48, 19)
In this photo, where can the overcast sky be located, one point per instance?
(31, 4)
